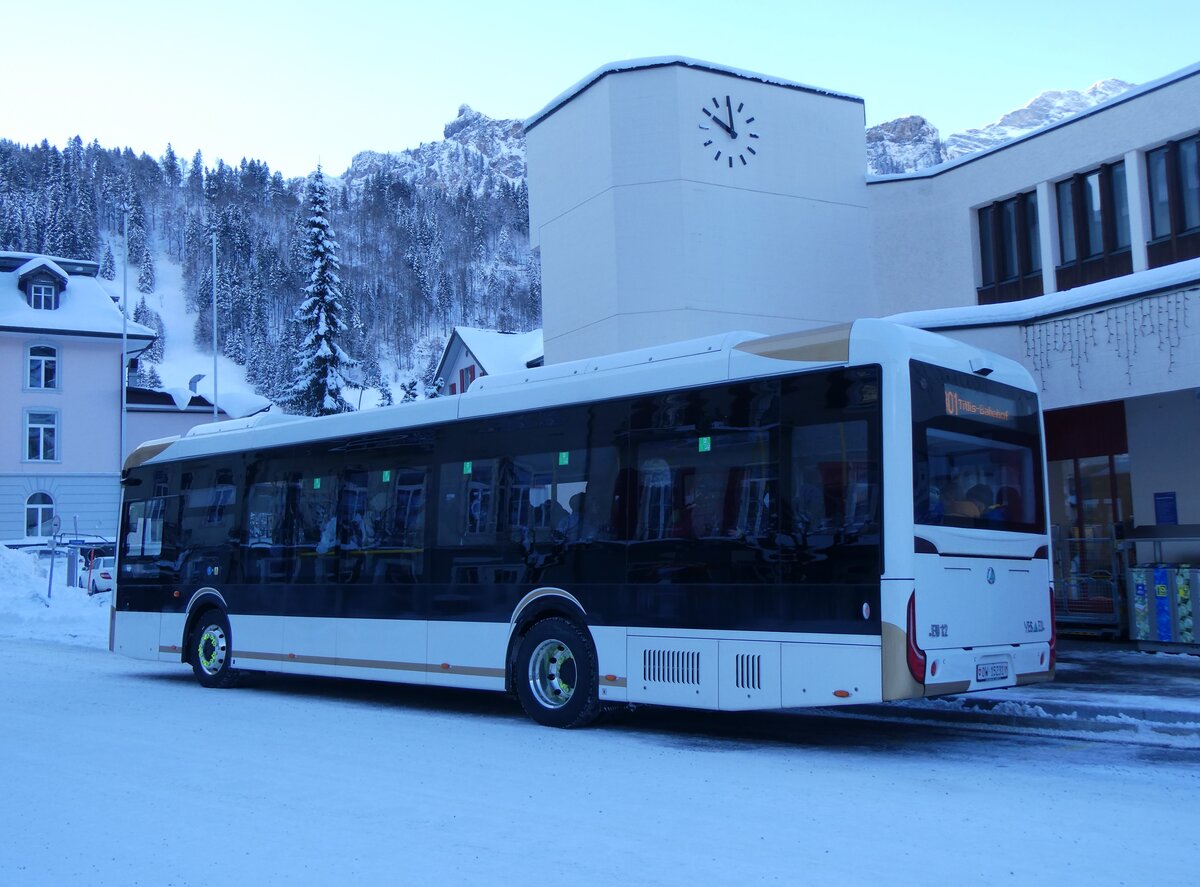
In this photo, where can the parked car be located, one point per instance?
(103, 575)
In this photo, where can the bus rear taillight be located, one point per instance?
(916, 656)
(1053, 632)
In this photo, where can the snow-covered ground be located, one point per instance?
(124, 772)
(181, 359)
(31, 609)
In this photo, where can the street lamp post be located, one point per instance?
(124, 334)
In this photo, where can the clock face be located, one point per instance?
(728, 132)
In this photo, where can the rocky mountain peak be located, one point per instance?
(476, 153)
(902, 145)
(910, 143)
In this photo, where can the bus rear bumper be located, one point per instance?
(986, 668)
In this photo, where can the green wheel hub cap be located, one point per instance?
(212, 649)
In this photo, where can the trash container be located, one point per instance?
(1153, 591)
(1185, 585)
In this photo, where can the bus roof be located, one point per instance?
(708, 360)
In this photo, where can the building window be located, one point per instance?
(1093, 226)
(1010, 254)
(41, 436)
(43, 296)
(39, 513)
(43, 367)
(1173, 178)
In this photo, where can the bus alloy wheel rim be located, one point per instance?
(212, 648)
(547, 680)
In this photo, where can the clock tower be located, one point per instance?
(672, 198)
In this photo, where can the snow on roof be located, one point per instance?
(1128, 95)
(234, 401)
(1092, 295)
(663, 61)
(42, 262)
(84, 308)
(498, 352)
(238, 404)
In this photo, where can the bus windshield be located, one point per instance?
(976, 452)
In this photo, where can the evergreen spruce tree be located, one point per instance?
(148, 375)
(170, 167)
(195, 180)
(322, 363)
(146, 275)
(147, 316)
(108, 267)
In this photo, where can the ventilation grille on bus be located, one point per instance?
(671, 667)
(748, 671)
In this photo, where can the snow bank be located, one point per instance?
(67, 615)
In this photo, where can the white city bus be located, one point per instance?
(847, 515)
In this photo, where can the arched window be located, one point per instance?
(43, 367)
(39, 512)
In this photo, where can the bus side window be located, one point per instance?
(834, 500)
(392, 526)
(316, 526)
(268, 558)
(467, 512)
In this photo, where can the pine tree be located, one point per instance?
(170, 168)
(434, 389)
(108, 267)
(148, 376)
(146, 276)
(147, 316)
(195, 180)
(322, 363)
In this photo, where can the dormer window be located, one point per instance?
(42, 281)
(43, 296)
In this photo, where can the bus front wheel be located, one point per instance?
(210, 651)
(556, 674)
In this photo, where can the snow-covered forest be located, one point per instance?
(427, 239)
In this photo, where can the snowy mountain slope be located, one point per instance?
(182, 360)
(903, 145)
(1049, 107)
(908, 144)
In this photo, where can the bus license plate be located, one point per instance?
(991, 671)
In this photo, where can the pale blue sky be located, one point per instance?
(299, 82)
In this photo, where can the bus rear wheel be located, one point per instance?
(210, 651)
(556, 675)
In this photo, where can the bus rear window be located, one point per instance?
(977, 452)
(143, 528)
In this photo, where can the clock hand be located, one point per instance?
(729, 110)
(718, 121)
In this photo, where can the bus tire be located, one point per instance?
(210, 650)
(556, 675)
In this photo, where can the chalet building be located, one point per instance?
(471, 353)
(672, 198)
(60, 391)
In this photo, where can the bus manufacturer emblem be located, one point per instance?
(991, 576)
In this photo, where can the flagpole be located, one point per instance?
(214, 322)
